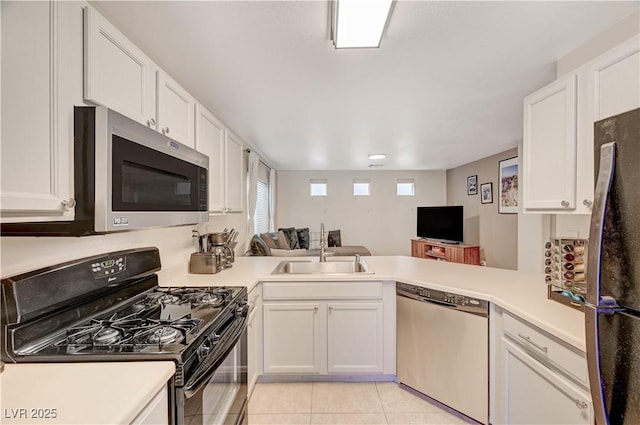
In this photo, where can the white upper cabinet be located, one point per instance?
(41, 81)
(614, 81)
(176, 109)
(234, 173)
(210, 140)
(549, 147)
(558, 146)
(117, 74)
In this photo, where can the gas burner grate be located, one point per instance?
(112, 331)
(166, 332)
(195, 297)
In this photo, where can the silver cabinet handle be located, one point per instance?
(151, 122)
(315, 309)
(330, 308)
(539, 347)
(587, 203)
(581, 404)
(565, 204)
(68, 203)
(165, 130)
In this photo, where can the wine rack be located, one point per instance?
(565, 267)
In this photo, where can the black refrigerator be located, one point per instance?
(612, 310)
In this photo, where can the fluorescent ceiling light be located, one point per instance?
(378, 156)
(359, 23)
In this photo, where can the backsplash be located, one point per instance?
(22, 254)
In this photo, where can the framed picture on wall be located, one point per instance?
(472, 185)
(508, 181)
(486, 193)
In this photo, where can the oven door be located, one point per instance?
(221, 398)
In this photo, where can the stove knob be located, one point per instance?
(214, 338)
(204, 350)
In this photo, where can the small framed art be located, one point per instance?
(486, 193)
(472, 185)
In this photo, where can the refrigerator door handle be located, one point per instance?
(591, 316)
(603, 185)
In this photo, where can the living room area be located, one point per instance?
(376, 211)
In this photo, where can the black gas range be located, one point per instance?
(110, 308)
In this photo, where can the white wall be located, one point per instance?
(383, 222)
(22, 254)
(497, 234)
(606, 40)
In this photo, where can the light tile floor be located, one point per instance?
(344, 403)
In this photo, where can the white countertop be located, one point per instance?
(80, 393)
(523, 294)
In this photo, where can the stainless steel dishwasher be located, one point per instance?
(443, 348)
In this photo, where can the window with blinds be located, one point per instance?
(261, 220)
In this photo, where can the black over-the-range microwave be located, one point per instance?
(126, 177)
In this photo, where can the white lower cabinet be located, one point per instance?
(354, 337)
(536, 394)
(313, 328)
(156, 412)
(292, 337)
(535, 377)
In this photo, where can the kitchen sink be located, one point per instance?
(326, 268)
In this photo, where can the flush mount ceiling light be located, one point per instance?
(359, 23)
(377, 156)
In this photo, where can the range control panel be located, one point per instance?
(462, 302)
(109, 267)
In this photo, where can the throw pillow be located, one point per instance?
(334, 238)
(258, 247)
(292, 237)
(288, 252)
(275, 240)
(303, 237)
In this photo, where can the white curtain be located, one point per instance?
(252, 181)
(272, 200)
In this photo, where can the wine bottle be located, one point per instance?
(579, 250)
(578, 277)
(569, 275)
(568, 248)
(568, 266)
(548, 245)
(548, 262)
(579, 268)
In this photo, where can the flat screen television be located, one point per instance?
(441, 223)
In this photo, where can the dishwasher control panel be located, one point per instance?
(461, 302)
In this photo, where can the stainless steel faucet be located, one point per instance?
(323, 255)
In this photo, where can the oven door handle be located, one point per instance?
(196, 383)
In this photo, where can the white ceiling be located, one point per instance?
(444, 89)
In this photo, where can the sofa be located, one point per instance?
(292, 242)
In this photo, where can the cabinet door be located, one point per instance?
(234, 174)
(116, 73)
(41, 81)
(354, 338)
(292, 337)
(613, 87)
(210, 134)
(549, 147)
(252, 354)
(156, 412)
(176, 109)
(534, 394)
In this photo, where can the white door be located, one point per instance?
(549, 147)
(210, 136)
(292, 337)
(41, 81)
(176, 109)
(116, 73)
(354, 338)
(234, 173)
(537, 395)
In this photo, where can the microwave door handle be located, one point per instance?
(601, 196)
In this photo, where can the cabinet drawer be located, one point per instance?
(321, 290)
(543, 345)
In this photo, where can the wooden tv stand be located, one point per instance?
(466, 254)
